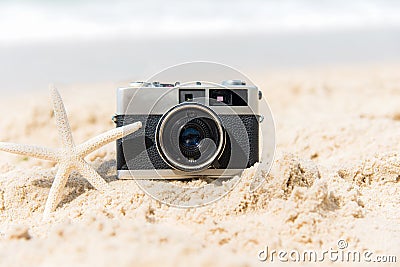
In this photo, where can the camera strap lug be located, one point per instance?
(114, 119)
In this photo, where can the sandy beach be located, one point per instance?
(336, 176)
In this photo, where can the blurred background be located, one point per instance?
(87, 41)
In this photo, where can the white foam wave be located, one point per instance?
(43, 21)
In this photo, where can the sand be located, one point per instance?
(336, 176)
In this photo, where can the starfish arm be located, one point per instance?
(31, 151)
(62, 123)
(91, 175)
(55, 191)
(107, 137)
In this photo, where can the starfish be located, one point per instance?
(70, 157)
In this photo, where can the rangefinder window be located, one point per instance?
(230, 97)
(188, 95)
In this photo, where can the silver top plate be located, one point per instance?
(151, 100)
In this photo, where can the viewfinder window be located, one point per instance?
(229, 97)
(189, 95)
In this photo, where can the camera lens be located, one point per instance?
(194, 136)
(190, 137)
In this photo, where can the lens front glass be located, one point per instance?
(196, 137)
(189, 140)
(190, 137)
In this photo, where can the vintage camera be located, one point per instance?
(189, 129)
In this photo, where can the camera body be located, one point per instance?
(188, 130)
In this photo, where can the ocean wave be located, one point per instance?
(46, 20)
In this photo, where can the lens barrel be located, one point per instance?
(190, 137)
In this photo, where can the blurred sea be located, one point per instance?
(94, 41)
